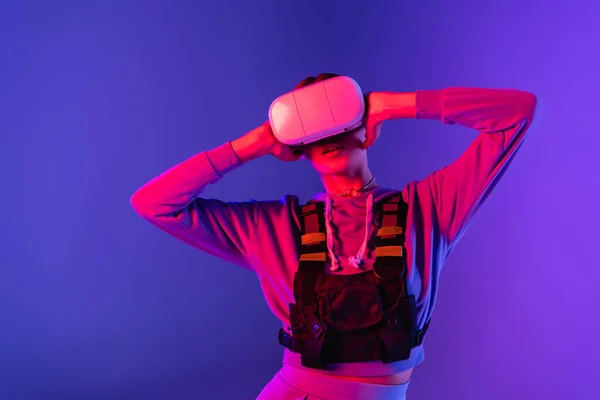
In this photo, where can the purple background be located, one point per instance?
(98, 97)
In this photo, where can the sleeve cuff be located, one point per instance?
(223, 159)
(429, 104)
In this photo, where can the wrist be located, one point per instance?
(397, 105)
(249, 146)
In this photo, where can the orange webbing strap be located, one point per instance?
(389, 242)
(313, 251)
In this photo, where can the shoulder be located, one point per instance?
(280, 210)
(286, 202)
(384, 195)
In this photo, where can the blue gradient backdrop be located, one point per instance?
(97, 97)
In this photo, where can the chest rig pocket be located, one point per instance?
(352, 318)
(351, 307)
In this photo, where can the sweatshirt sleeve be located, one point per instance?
(171, 202)
(502, 118)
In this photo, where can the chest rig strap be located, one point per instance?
(390, 270)
(306, 328)
(394, 336)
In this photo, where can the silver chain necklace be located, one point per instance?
(354, 192)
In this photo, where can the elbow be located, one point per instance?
(521, 106)
(527, 103)
(140, 204)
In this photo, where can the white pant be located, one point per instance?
(291, 383)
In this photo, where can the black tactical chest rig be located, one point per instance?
(352, 318)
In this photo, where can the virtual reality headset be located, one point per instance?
(317, 111)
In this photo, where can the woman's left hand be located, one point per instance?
(374, 115)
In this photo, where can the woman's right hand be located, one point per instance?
(275, 147)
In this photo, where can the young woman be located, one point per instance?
(268, 237)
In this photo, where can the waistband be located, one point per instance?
(333, 388)
(363, 369)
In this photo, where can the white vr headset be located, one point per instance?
(317, 111)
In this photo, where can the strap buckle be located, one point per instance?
(420, 335)
(284, 339)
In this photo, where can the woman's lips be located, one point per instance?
(332, 149)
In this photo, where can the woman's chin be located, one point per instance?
(331, 166)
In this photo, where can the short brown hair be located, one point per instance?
(314, 79)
